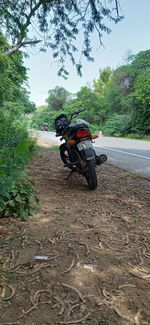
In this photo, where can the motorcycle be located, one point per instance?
(44, 127)
(77, 152)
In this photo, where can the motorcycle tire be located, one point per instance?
(91, 176)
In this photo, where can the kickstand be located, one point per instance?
(69, 174)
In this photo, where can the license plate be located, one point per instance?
(84, 145)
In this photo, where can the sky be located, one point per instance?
(131, 34)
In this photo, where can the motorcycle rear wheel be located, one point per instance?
(91, 176)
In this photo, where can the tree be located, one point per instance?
(58, 98)
(120, 95)
(140, 62)
(87, 100)
(141, 114)
(59, 22)
(13, 95)
(103, 83)
(13, 73)
(129, 94)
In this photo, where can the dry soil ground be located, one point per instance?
(97, 244)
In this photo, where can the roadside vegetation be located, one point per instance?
(17, 196)
(118, 103)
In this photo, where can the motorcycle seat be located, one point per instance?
(74, 127)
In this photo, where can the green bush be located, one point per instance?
(94, 128)
(117, 125)
(16, 148)
(20, 201)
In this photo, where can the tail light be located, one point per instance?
(82, 133)
(71, 142)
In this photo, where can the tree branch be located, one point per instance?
(32, 12)
(117, 7)
(31, 42)
(20, 44)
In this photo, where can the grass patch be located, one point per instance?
(54, 148)
(38, 148)
(104, 322)
(134, 175)
(146, 138)
(137, 136)
(41, 148)
(12, 277)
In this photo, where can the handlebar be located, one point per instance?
(80, 111)
(77, 112)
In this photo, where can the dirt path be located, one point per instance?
(98, 248)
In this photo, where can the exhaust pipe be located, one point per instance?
(100, 159)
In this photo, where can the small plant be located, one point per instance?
(104, 322)
(20, 202)
(134, 175)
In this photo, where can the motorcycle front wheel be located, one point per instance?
(64, 154)
(90, 175)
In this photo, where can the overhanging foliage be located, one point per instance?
(59, 23)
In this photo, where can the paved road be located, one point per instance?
(130, 155)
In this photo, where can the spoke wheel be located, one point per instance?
(65, 156)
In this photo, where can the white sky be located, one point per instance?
(133, 33)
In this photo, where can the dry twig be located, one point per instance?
(35, 302)
(87, 248)
(35, 298)
(61, 305)
(144, 271)
(53, 257)
(126, 285)
(106, 294)
(71, 309)
(28, 311)
(76, 290)
(119, 313)
(138, 275)
(69, 269)
(14, 323)
(100, 245)
(24, 241)
(12, 292)
(51, 241)
(141, 259)
(137, 316)
(77, 320)
(38, 242)
(42, 266)
(73, 251)
(12, 255)
(110, 299)
(127, 240)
